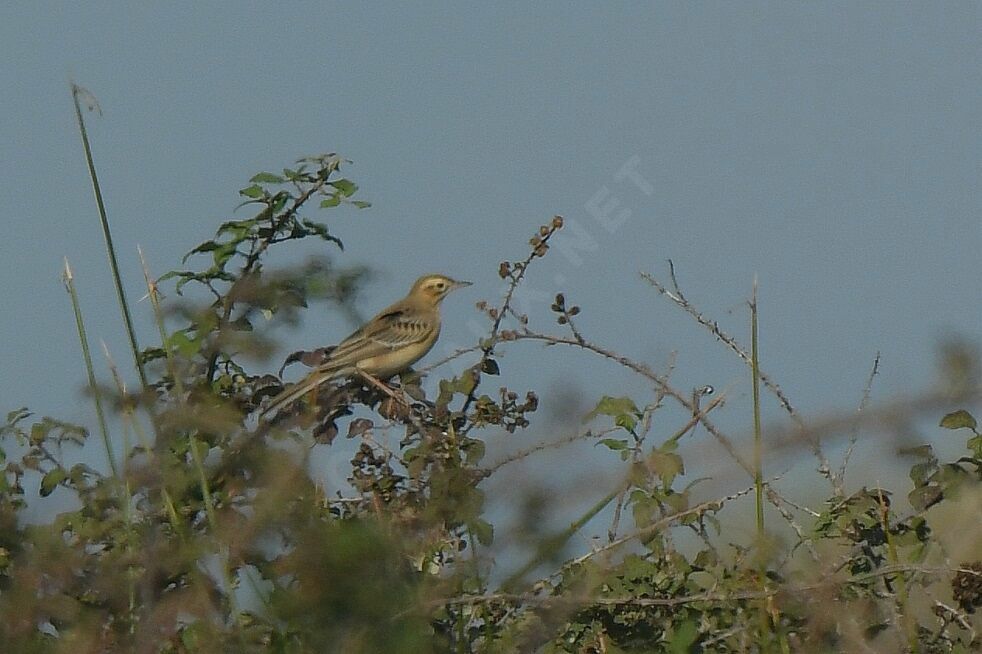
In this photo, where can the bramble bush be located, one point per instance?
(210, 533)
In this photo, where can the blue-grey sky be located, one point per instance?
(831, 149)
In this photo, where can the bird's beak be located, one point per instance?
(457, 284)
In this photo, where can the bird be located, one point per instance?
(389, 343)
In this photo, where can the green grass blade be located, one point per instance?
(107, 236)
(86, 353)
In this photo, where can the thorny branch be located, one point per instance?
(525, 453)
(656, 526)
(660, 382)
(779, 503)
(515, 273)
(676, 296)
(532, 598)
(839, 479)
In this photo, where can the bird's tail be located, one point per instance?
(309, 384)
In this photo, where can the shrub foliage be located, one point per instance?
(215, 535)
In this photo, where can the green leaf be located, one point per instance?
(466, 384)
(361, 204)
(224, 252)
(683, 638)
(320, 229)
(490, 367)
(667, 465)
(15, 416)
(920, 472)
(951, 475)
(623, 409)
(207, 246)
(78, 474)
(254, 191)
(626, 421)
(449, 387)
(925, 497)
(643, 508)
(678, 501)
(345, 187)
(445, 395)
(613, 406)
(615, 444)
(237, 228)
(51, 480)
(267, 178)
(182, 343)
(332, 201)
(483, 531)
(959, 420)
(279, 201)
(39, 431)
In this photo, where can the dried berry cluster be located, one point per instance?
(565, 313)
(540, 245)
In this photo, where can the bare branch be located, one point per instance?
(839, 479)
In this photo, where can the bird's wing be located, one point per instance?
(394, 328)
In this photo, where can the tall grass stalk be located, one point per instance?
(69, 279)
(107, 236)
(773, 612)
(758, 445)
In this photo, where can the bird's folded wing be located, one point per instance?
(390, 330)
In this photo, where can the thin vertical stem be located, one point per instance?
(758, 445)
(107, 236)
(771, 616)
(69, 279)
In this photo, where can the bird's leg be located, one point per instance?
(382, 386)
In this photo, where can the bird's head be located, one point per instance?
(435, 287)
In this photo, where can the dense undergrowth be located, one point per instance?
(212, 533)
